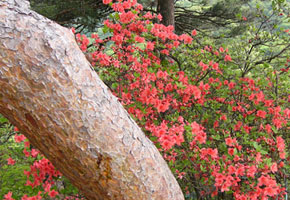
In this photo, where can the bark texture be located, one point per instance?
(49, 91)
(166, 9)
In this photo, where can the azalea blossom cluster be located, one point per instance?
(226, 128)
(42, 173)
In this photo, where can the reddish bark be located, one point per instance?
(48, 90)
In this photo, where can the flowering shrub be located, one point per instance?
(42, 179)
(222, 131)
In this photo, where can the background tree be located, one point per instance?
(214, 18)
(85, 15)
(166, 9)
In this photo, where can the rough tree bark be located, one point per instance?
(48, 90)
(166, 9)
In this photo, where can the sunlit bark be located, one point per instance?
(49, 92)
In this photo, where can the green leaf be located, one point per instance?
(255, 144)
(268, 161)
(3, 120)
(216, 137)
(136, 74)
(114, 85)
(202, 168)
(264, 152)
(142, 46)
(179, 84)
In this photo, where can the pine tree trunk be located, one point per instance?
(48, 90)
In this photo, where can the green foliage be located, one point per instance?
(86, 15)
(12, 177)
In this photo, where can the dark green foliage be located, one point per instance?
(86, 15)
(211, 17)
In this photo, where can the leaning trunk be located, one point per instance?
(48, 90)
